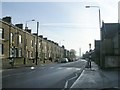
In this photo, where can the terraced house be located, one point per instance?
(20, 44)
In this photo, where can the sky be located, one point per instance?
(68, 23)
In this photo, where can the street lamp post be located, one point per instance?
(99, 13)
(37, 43)
(26, 27)
(90, 55)
(99, 22)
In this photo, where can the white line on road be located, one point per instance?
(78, 79)
(66, 84)
(59, 68)
(69, 68)
(52, 67)
(78, 68)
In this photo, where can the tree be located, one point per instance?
(72, 53)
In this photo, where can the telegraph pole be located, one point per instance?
(37, 43)
(90, 55)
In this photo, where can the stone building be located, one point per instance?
(13, 44)
(97, 51)
(109, 46)
(20, 44)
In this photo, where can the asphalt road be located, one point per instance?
(57, 75)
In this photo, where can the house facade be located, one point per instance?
(20, 44)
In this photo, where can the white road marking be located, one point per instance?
(78, 68)
(69, 68)
(66, 84)
(73, 68)
(59, 68)
(78, 79)
(52, 67)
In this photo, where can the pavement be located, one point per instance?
(97, 79)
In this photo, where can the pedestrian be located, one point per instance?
(89, 61)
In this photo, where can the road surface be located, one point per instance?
(56, 75)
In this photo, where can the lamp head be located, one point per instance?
(87, 6)
(33, 20)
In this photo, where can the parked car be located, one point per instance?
(64, 60)
(57, 60)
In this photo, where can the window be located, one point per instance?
(45, 48)
(28, 54)
(0, 33)
(35, 42)
(32, 54)
(11, 52)
(11, 37)
(15, 52)
(26, 42)
(20, 52)
(20, 39)
(0, 49)
(32, 43)
(39, 44)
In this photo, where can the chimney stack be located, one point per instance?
(41, 36)
(45, 38)
(28, 30)
(7, 19)
(19, 26)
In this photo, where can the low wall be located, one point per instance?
(19, 62)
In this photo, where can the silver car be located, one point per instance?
(64, 60)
